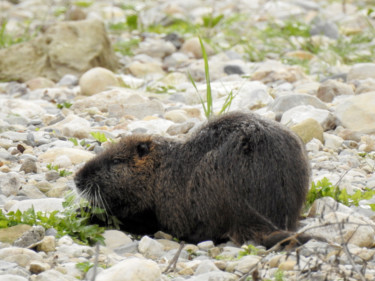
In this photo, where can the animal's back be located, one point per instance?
(244, 176)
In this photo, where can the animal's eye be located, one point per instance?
(117, 161)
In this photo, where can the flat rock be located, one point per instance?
(284, 103)
(86, 45)
(332, 88)
(357, 113)
(43, 205)
(130, 270)
(76, 156)
(308, 129)
(361, 71)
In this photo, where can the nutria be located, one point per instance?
(238, 177)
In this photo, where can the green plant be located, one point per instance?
(67, 222)
(62, 172)
(84, 266)
(83, 4)
(210, 21)
(208, 105)
(279, 275)
(126, 48)
(100, 137)
(248, 250)
(325, 188)
(64, 104)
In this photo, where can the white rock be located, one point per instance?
(10, 277)
(340, 227)
(76, 156)
(10, 183)
(24, 108)
(206, 245)
(150, 247)
(300, 113)
(130, 270)
(332, 141)
(154, 126)
(156, 48)
(114, 239)
(361, 71)
(21, 256)
(215, 275)
(73, 126)
(96, 80)
(53, 275)
(62, 161)
(205, 266)
(246, 263)
(43, 205)
(357, 113)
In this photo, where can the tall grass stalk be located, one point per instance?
(208, 105)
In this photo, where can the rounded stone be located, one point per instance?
(97, 80)
(131, 269)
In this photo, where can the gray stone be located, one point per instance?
(327, 28)
(29, 166)
(156, 48)
(205, 267)
(86, 45)
(10, 183)
(128, 248)
(215, 275)
(53, 275)
(206, 245)
(361, 71)
(30, 237)
(300, 113)
(114, 239)
(332, 88)
(150, 248)
(11, 277)
(284, 103)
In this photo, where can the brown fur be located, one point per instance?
(239, 177)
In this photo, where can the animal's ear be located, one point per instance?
(143, 148)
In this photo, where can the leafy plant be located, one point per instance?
(248, 250)
(64, 104)
(126, 48)
(62, 172)
(83, 4)
(66, 222)
(325, 188)
(100, 137)
(210, 21)
(84, 266)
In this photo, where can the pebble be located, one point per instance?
(97, 80)
(145, 87)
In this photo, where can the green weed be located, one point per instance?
(249, 250)
(64, 105)
(62, 172)
(208, 105)
(66, 222)
(325, 188)
(126, 48)
(100, 137)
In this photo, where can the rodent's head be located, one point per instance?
(120, 179)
